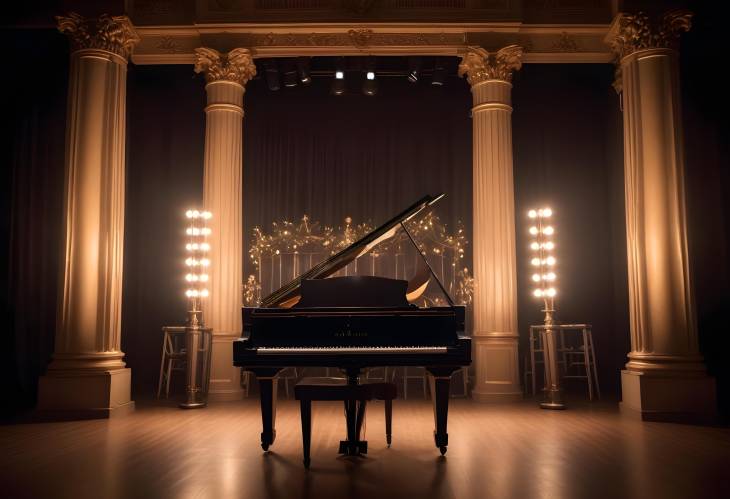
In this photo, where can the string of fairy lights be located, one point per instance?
(312, 242)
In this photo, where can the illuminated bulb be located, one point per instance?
(548, 231)
(536, 277)
(204, 293)
(206, 215)
(339, 75)
(205, 231)
(535, 262)
(196, 213)
(533, 230)
(189, 231)
(189, 213)
(189, 293)
(189, 247)
(535, 246)
(550, 260)
(551, 292)
(205, 247)
(370, 75)
(547, 212)
(532, 214)
(539, 213)
(203, 277)
(550, 276)
(549, 245)
(204, 262)
(537, 293)
(190, 262)
(189, 277)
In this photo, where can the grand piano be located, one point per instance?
(353, 323)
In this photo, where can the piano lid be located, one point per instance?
(289, 294)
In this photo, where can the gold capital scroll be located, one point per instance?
(111, 33)
(236, 66)
(634, 32)
(479, 65)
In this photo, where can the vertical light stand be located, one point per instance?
(544, 278)
(198, 337)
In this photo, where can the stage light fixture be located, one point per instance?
(370, 85)
(289, 73)
(544, 279)
(271, 74)
(338, 83)
(439, 72)
(414, 68)
(303, 70)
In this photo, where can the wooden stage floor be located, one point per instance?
(495, 451)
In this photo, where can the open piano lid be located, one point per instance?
(288, 295)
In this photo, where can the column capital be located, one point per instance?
(114, 34)
(631, 33)
(235, 66)
(479, 65)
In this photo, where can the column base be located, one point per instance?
(225, 379)
(669, 397)
(85, 395)
(497, 369)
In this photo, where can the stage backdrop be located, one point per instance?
(308, 152)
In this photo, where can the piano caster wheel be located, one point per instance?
(443, 450)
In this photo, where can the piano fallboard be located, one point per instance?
(353, 326)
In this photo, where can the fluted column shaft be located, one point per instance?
(87, 372)
(226, 75)
(495, 333)
(665, 377)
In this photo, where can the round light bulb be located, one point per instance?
(205, 262)
(535, 246)
(189, 277)
(549, 245)
(189, 262)
(189, 231)
(204, 293)
(535, 262)
(189, 213)
(189, 247)
(550, 276)
(207, 215)
(550, 260)
(536, 277)
(196, 213)
(548, 231)
(533, 230)
(537, 293)
(205, 247)
(205, 231)
(547, 212)
(551, 292)
(189, 293)
(203, 277)
(532, 214)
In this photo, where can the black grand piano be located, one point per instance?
(353, 323)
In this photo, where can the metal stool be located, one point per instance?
(584, 349)
(174, 356)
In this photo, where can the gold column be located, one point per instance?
(665, 378)
(87, 376)
(495, 293)
(226, 76)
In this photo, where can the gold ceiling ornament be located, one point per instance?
(566, 43)
(360, 37)
(236, 66)
(114, 34)
(479, 65)
(635, 32)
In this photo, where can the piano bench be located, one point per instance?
(354, 397)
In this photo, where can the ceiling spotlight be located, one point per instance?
(414, 68)
(271, 74)
(289, 72)
(338, 84)
(303, 69)
(439, 72)
(370, 85)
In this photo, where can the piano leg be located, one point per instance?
(268, 388)
(440, 383)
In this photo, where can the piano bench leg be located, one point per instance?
(306, 412)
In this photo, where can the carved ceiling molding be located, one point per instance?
(479, 65)
(111, 33)
(544, 44)
(236, 66)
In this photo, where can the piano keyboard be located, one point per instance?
(349, 350)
